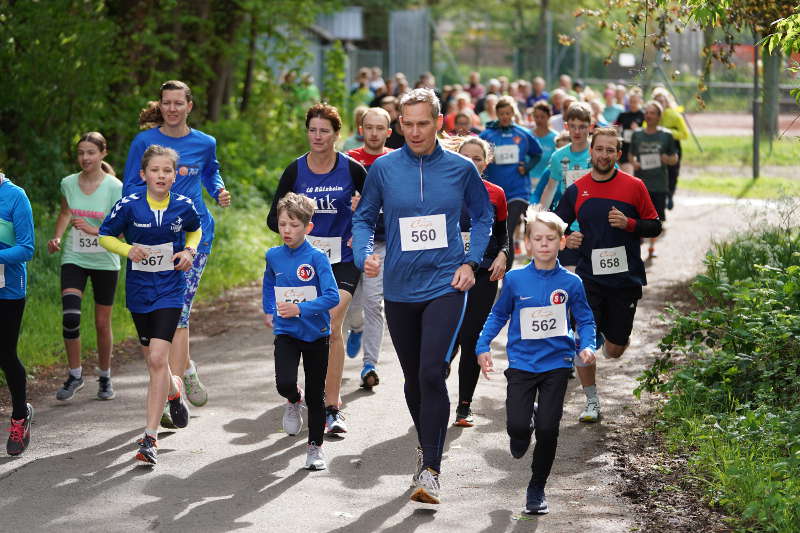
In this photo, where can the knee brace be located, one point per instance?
(71, 320)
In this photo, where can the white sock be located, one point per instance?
(76, 372)
(590, 392)
(191, 369)
(104, 373)
(151, 433)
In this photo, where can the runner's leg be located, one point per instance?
(10, 325)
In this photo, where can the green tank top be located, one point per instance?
(79, 248)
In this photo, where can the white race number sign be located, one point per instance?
(423, 233)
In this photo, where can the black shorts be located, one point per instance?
(660, 203)
(104, 282)
(347, 276)
(157, 324)
(568, 257)
(613, 309)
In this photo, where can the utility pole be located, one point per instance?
(756, 109)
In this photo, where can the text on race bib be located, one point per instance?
(84, 243)
(543, 322)
(332, 246)
(466, 239)
(2, 276)
(423, 233)
(627, 135)
(650, 161)
(609, 261)
(159, 258)
(506, 154)
(571, 176)
(295, 295)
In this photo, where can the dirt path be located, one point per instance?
(234, 469)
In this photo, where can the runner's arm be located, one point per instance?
(366, 216)
(480, 213)
(648, 225)
(534, 153)
(114, 245)
(268, 288)
(22, 220)
(212, 181)
(285, 185)
(501, 312)
(566, 207)
(584, 317)
(193, 238)
(358, 173)
(132, 180)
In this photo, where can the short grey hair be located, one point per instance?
(422, 96)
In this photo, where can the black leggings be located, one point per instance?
(516, 208)
(10, 324)
(548, 388)
(423, 334)
(479, 304)
(315, 365)
(157, 324)
(674, 170)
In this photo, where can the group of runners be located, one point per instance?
(419, 237)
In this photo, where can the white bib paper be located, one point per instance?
(158, 260)
(332, 246)
(295, 295)
(2, 276)
(627, 135)
(609, 261)
(543, 322)
(423, 233)
(466, 238)
(506, 154)
(650, 161)
(571, 176)
(84, 243)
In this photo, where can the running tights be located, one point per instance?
(423, 334)
(11, 311)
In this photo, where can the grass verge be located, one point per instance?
(738, 151)
(765, 187)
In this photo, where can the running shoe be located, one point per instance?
(533, 416)
(104, 389)
(592, 412)
(417, 468)
(369, 377)
(651, 253)
(19, 433)
(178, 410)
(519, 447)
(535, 502)
(464, 416)
(426, 488)
(334, 420)
(293, 417)
(166, 418)
(196, 393)
(69, 388)
(148, 451)
(354, 343)
(315, 459)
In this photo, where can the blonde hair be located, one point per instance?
(297, 206)
(381, 112)
(156, 150)
(461, 142)
(548, 218)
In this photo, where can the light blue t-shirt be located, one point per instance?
(567, 166)
(548, 143)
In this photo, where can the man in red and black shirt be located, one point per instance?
(365, 316)
(614, 211)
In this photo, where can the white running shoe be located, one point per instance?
(196, 392)
(315, 459)
(293, 417)
(334, 420)
(417, 468)
(592, 412)
(427, 487)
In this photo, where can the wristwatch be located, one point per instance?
(473, 265)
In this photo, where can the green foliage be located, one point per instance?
(738, 151)
(334, 90)
(733, 402)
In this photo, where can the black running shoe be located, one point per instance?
(519, 447)
(19, 433)
(178, 409)
(535, 503)
(105, 391)
(464, 417)
(148, 451)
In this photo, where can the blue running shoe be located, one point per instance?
(369, 377)
(354, 343)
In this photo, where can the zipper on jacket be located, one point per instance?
(421, 193)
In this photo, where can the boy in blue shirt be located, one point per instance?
(299, 291)
(539, 300)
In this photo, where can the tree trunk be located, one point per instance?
(248, 69)
(772, 69)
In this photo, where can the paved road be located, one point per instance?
(233, 468)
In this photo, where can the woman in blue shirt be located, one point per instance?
(197, 168)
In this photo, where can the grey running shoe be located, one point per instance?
(334, 419)
(20, 433)
(592, 412)
(148, 451)
(104, 390)
(69, 388)
(293, 417)
(196, 392)
(427, 487)
(535, 502)
(417, 468)
(315, 459)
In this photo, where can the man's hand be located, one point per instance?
(137, 253)
(617, 218)
(288, 310)
(587, 356)
(574, 240)
(498, 268)
(268, 320)
(372, 266)
(486, 363)
(185, 260)
(224, 198)
(54, 245)
(463, 279)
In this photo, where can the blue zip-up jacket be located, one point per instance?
(530, 287)
(408, 185)
(16, 239)
(197, 168)
(304, 266)
(504, 170)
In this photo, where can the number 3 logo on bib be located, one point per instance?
(423, 233)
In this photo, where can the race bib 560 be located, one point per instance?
(423, 233)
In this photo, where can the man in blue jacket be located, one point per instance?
(422, 189)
